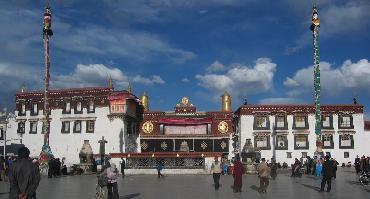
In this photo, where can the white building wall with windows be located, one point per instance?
(360, 137)
(68, 145)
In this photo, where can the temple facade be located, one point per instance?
(78, 116)
(288, 131)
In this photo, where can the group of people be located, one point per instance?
(264, 171)
(362, 164)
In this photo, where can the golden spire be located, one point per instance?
(110, 82)
(145, 101)
(226, 101)
(129, 88)
(23, 88)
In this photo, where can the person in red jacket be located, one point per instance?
(238, 175)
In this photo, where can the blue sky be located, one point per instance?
(197, 48)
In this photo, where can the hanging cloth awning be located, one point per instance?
(185, 121)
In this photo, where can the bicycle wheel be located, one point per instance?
(365, 181)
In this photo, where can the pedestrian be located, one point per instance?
(123, 166)
(263, 173)
(2, 168)
(94, 166)
(238, 175)
(225, 168)
(357, 164)
(24, 176)
(159, 168)
(216, 171)
(273, 167)
(327, 172)
(335, 167)
(112, 175)
(319, 167)
(308, 165)
(314, 162)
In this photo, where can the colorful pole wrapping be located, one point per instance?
(317, 86)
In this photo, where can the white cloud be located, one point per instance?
(155, 79)
(185, 80)
(241, 80)
(350, 77)
(216, 66)
(97, 75)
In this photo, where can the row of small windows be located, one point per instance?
(66, 127)
(301, 141)
(261, 122)
(304, 154)
(78, 108)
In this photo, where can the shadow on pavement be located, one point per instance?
(129, 196)
(353, 182)
(4, 193)
(254, 187)
(311, 187)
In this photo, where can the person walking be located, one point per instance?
(357, 164)
(123, 166)
(335, 168)
(327, 171)
(216, 171)
(24, 176)
(2, 168)
(318, 170)
(263, 173)
(112, 175)
(273, 167)
(238, 175)
(159, 168)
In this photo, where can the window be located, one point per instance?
(1, 134)
(91, 107)
(67, 108)
(301, 142)
(281, 142)
(288, 155)
(345, 121)
(327, 140)
(262, 142)
(280, 122)
(77, 127)
(328, 154)
(327, 122)
(346, 141)
(300, 122)
(22, 110)
(34, 110)
(78, 108)
(261, 122)
(346, 154)
(304, 154)
(65, 126)
(33, 127)
(21, 127)
(90, 125)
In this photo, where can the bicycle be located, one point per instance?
(365, 179)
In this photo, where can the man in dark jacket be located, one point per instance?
(24, 177)
(327, 174)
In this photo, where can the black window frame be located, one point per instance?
(32, 123)
(23, 131)
(75, 108)
(346, 154)
(289, 155)
(346, 147)
(331, 126)
(331, 141)
(285, 122)
(75, 124)
(307, 142)
(351, 121)
(305, 119)
(261, 128)
(32, 111)
(286, 142)
(63, 125)
(1, 134)
(87, 126)
(65, 108)
(268, 142)
(88, 107)
(20, 113)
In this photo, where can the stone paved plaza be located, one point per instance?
(200, 186)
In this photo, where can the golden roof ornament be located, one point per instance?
(23, 88)
(226, 101)
(145, 101)
(110, 82)
(129, 88)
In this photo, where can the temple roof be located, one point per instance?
(367, 126)
(70, 92)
